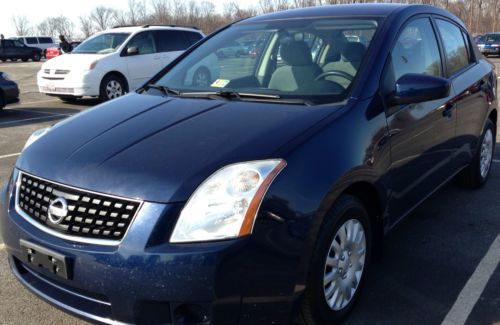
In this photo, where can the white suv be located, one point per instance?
(110, 63)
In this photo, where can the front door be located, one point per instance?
(142, 66)
(422, 133)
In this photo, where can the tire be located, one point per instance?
(2, 100)
(35, 57)
(476, 174)
(202, 77)
(24, 60)
(3, 59)
(112, 86)
(69, 99)
(334, 253)
(14, 59)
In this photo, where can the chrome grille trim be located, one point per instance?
(89, 240)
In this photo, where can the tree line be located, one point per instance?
(480, 16)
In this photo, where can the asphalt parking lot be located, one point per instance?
(440, 264)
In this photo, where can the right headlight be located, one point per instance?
(226, 204)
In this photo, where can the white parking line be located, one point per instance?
(10, 155)
(32, 119)
(473, 289)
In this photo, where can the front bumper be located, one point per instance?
(72, 84)
(11, 92)
(147, 280)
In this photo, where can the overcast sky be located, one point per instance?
(36, 10)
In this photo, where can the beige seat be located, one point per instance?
(299, 71)
(351, 56)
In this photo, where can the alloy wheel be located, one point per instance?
(114, 89)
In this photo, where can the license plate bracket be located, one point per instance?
(40, 257)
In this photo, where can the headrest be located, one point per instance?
(353, 51)
(296, 53)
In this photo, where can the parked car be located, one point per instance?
(262, 197)
(52, 52)
(111, 63)
(490, 44)
(14, 50)
(233, 49)
(41, 42)
(9, 92)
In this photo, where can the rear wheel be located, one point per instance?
(24, 60)
(476, 174)
(202, 77)
(36, 57)
(2, 100)
(339, 264)
(112, 86)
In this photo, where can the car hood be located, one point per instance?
(159, 148)
(72, 61)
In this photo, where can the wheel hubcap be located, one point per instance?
(344, 264)
(114, 89)
(486, 153)
(201, 79)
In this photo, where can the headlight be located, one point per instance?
(226, 204)
(35, 136)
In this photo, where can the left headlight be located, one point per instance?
(225, 205)
(35, 136)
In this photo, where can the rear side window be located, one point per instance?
(45, 40)
(171, 40)
(193, 37)
(416, 51)
(31, 40)
(455, 48)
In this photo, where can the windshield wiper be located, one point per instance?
(246, 97)
(166, 90)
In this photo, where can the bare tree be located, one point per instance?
(102, 18)
(86, 26)
(22, 25)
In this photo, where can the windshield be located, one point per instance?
(102, 43)
(309, 59)
(492, 38)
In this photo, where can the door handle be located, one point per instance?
(448, 110)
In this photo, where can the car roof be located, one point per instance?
(133, 29)
(359, 9)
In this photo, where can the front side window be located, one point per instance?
(454, 46)
(45, 40)
(144, 42)
(19, 44)
(416, 51)
(102, 43)
(491, 38)
(296, 59)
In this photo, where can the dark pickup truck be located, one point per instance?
(15, 50)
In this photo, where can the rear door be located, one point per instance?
(470, 80)
(422, 133)
(143, 66)
(171, 44)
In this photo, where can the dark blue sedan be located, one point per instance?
(9, 92)
(262, 196)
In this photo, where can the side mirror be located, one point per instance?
(414, 88)
(133, 50)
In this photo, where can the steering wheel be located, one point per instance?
(337, 73)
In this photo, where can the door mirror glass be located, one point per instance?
(132, 51)
(416, 88)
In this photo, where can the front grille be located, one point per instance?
(89, 214)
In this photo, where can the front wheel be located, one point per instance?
(112, 86)
(476, 174)
(340, 261)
